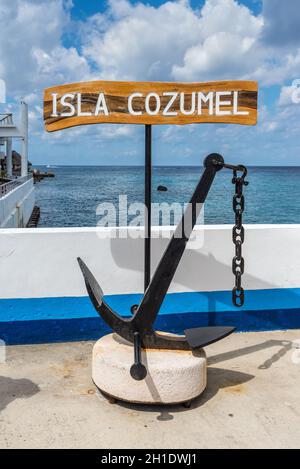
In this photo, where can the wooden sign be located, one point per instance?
(96, 102)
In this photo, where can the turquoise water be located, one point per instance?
(71, 198)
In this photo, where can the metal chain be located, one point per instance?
(238, 236)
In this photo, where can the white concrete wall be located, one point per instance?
(17, 205)
(42, 262)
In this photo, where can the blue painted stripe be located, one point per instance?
(38, 320)
(218, 301)
(25, 309)
(64, 330)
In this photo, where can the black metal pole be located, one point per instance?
(148, 178)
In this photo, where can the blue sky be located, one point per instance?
(83, 8)
(197, 40)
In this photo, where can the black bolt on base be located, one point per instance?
(138, 370)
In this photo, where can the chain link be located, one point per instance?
(238, 236)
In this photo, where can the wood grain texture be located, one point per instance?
(117, 93)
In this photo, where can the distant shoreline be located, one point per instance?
(141, 166)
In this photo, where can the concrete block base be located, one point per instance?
(174, 376)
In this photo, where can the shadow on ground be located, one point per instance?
(286, 346)
(217, 378)
(11, 389)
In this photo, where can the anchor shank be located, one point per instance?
(162, 278)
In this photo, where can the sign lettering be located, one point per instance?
(150, 103)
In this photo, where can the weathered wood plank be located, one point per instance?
(98, 102)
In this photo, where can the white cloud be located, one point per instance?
(226, 49)
(214, 58)
(277, 67)
(286, 95)
(31, 52)
(282, 19)
(32, 55)
(222, 39)
(172, 41)
(60, 65)
(141, 42)
(228, 16)
(114, 131)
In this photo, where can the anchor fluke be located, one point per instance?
(113, 320)
(203, 336)
(90, 281)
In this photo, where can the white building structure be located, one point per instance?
(16, 192)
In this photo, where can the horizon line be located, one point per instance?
(155, 165)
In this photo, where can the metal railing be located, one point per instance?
(6, 119)
(11, 185)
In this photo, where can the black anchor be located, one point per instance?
(138, 329)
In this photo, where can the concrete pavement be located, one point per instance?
(47, 400)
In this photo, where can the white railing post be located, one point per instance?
(24, 126)
(9, 164)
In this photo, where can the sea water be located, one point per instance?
(71, 198)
